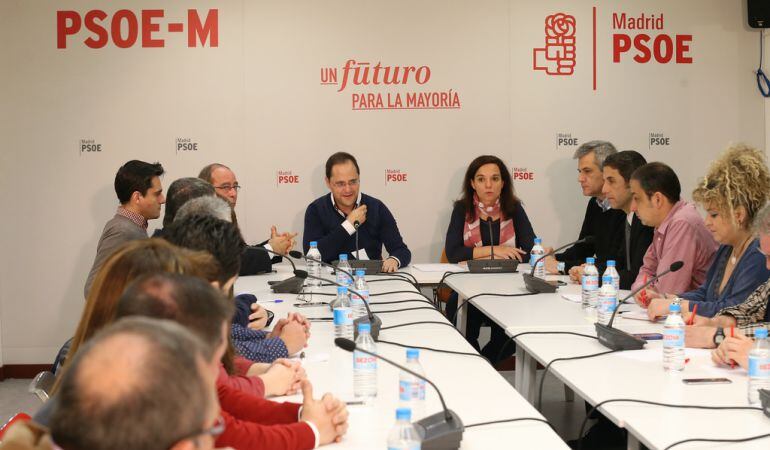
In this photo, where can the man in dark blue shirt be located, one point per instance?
(332, 220)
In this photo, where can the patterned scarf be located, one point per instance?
(472, 230)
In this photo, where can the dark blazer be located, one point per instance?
(454, 245)
(607, 227)
(641, 238)
(323, 224)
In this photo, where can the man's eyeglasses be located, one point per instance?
(342, 184)
(228, 187)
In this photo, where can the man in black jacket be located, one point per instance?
(600, 221)
(254, 260)
(636, 237)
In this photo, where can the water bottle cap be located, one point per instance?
(364, 327)
(675, 307)
(760, 333)
(590, 260)
(404, 414)
(342, 290)
(343, 257)
(360, 272)
(538, 241)
(313, 244)
(610, 263)
(606, 279)
(412, 353)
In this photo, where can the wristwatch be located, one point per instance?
(719, 336)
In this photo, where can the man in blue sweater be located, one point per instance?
(332, 220)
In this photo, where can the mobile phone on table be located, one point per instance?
(706, 381)
(649, 336)
(310, 305)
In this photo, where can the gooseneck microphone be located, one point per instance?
(376, 322)
(539, 285)
(615, 339)
(443, 430)
(356, 224)
(273, 253)
(297, 254)
(491, 239)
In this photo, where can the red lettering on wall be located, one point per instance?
(207, 30)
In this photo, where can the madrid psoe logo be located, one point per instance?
(558, 55)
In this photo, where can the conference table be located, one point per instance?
(470, 386)
(635, 374)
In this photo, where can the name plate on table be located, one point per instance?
(493, 265)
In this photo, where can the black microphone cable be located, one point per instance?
(438, 350)
(408, 300)
(443, 278)
(421, 322)
(403, 275)
(492, 422)
(512, 338)
(669, 405)
(746, 439)
(402, 310)
(492, 294)
(567, 358)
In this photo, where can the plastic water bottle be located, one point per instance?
(343, 314)
(359, 309)
(759, 365)
(608, 300)
(411, 390)
(535, 254)
(365, 365)
(403, 435)
(344, 269)
(590, 288)
(673, 340)
(613, 273)
(313, 268)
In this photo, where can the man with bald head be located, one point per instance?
(254, 261)
(120, 392)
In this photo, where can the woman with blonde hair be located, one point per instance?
(735, 188)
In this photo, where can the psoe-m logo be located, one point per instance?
(126, 28)
(558, 56)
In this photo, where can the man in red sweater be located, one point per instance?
(250, 422)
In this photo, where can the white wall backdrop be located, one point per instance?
(256, 102)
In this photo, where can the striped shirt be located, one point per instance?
(753, 310)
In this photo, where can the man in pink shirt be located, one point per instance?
(680, 234)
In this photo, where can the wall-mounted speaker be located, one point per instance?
(759, 13)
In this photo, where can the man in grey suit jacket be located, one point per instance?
(137, 185)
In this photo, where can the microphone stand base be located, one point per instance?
(437, 432)
(291, 285)
(615, 339)
(376, 324)
(764, 397)
(537, 285)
